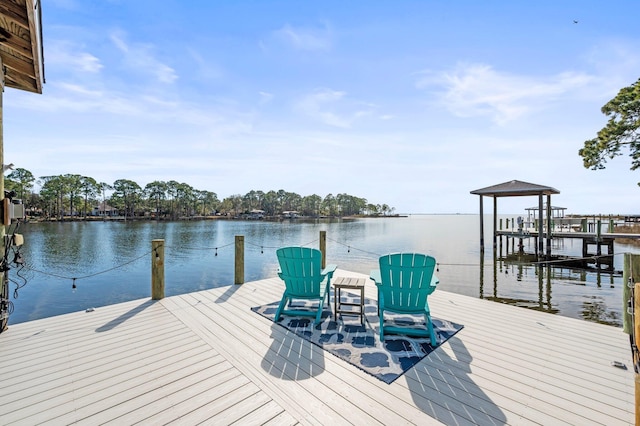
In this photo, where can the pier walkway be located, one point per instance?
(206, 357)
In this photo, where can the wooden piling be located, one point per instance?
(157, 269)
(636, 358)
(631, 323)
(323, 248)
(239, 263)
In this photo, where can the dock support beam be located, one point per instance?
(481, 226)
(157, 269)
(323, 248)
(540, 227)
(239, 264)
(631, 323)
(548, 226)
(495, 222)
(4, 278)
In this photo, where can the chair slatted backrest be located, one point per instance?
(406, 280)
(301, 270)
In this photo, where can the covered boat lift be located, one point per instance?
(516, 188)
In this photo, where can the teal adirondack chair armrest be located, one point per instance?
(375, 276)
(434, 280)
(329, 270)
(327, 273)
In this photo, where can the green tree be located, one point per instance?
(329, 205)
(21, 181)
(103, 187)
(52, 192)
(172, 193)
(270, 203)
(311, 205)
(208, 201)
(126, 193)
(90, 190)
(621, 131)
(373, 209)
(156, 192)
(73, 184)
(185, 199)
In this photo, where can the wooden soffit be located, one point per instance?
(21, 44)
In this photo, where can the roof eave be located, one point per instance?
(21, 44)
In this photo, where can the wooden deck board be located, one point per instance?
(286, 357)
(344, 378)
(206, 357)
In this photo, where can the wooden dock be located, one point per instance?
(205, 357)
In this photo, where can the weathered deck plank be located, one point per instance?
(205, 357)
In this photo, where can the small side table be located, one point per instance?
(353, 284)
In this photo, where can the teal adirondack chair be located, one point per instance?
(303, 276)
(404, 282)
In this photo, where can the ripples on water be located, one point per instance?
(200, 255)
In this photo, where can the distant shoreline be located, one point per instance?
(193, 218)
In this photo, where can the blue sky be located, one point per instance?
(409, 103)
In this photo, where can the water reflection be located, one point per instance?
(200, 255)
(595, 308)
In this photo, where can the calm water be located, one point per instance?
(111, 262)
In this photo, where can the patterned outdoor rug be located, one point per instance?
(360, 345)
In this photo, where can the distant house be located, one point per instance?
(104, 210)
(292, 214)
(256, 214)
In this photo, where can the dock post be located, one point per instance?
(632, 287)
(598, 241)
(495, 224)
(636, 325)
(323, 248)
(481, 226)
(157, 269)
(239, 263)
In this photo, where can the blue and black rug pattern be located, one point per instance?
(359, 344)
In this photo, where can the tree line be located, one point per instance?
(82, 196)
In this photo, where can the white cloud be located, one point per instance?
(306, 38)
(138, 57)
(479, 90)
(265, 97)
(617, 62)
(72, 57)
(333, 108)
